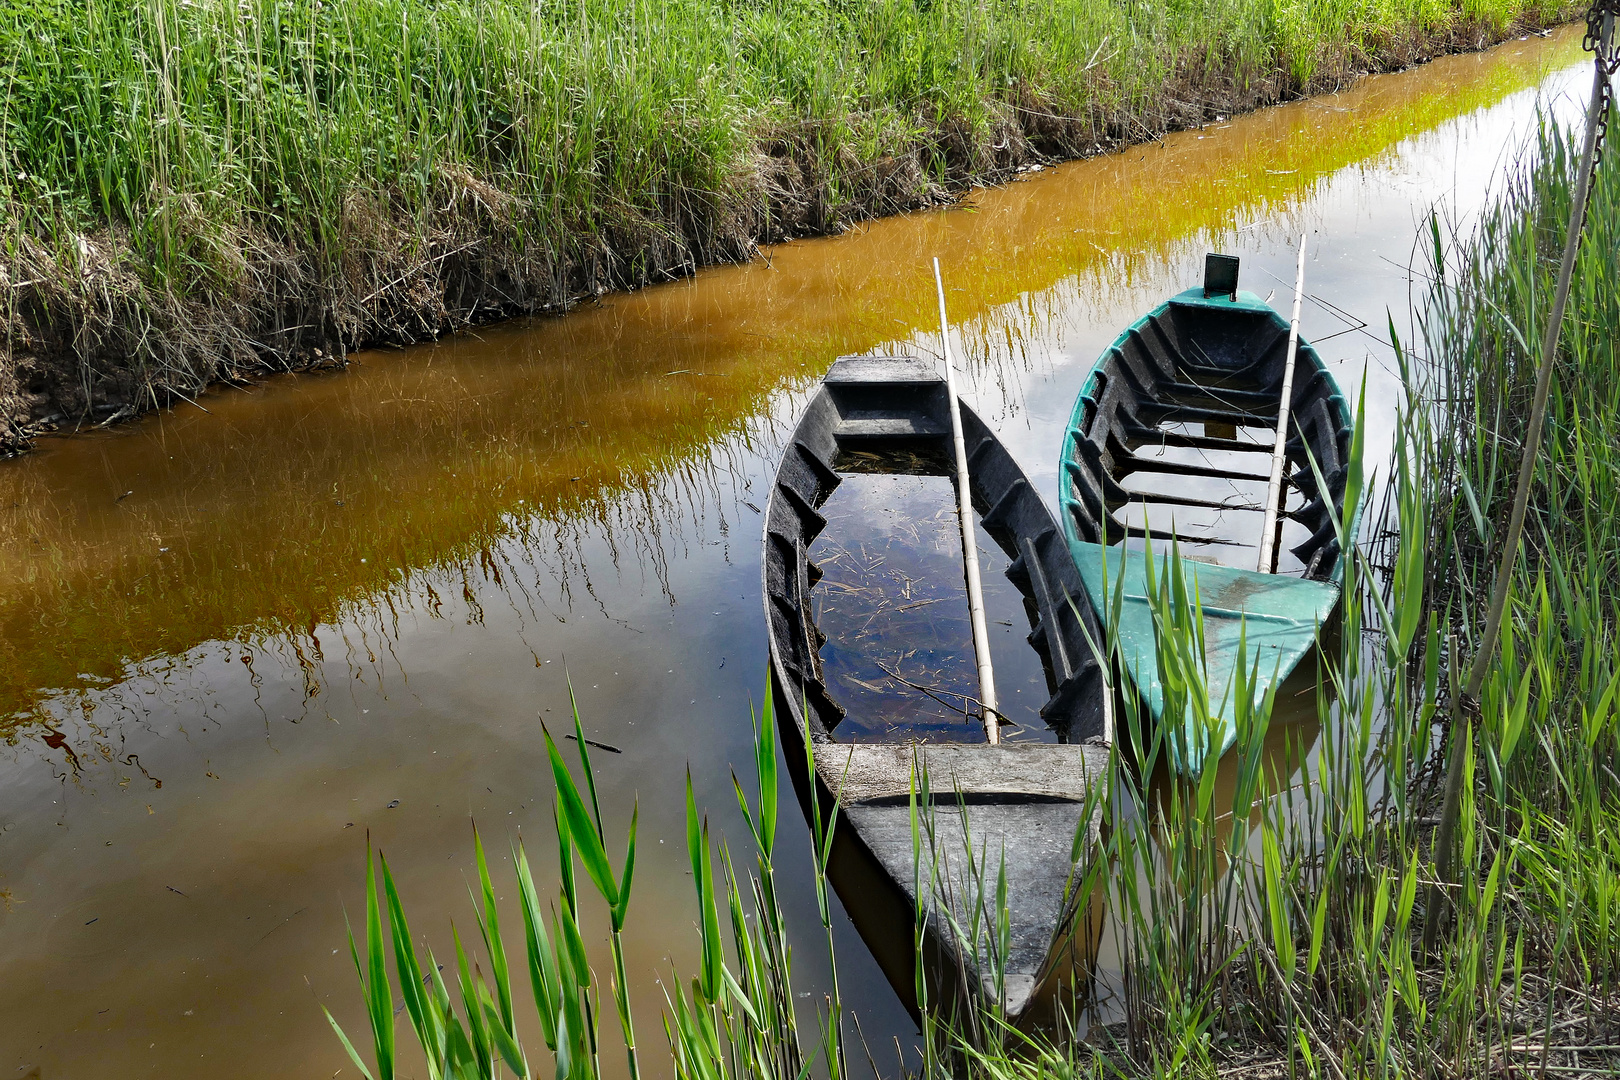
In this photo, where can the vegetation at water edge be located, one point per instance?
(194, 190)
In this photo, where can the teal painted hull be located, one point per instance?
(1181, 380)
(1266, 623)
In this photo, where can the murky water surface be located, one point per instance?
(893, 604)
(234, 642)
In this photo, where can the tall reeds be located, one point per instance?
(1304, 947)
(191, 188)
(1548, 734)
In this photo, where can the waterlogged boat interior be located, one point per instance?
(1017, 805)
(1171, 440)
(1180, 416)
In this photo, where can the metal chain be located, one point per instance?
(1605, 106)
(1594, 42)
(1607, 58)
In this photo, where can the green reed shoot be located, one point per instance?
(588, 840)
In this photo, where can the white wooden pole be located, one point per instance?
(970, 546)
(1268, 532)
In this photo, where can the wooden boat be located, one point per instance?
(1024, 801)
(1173, 430)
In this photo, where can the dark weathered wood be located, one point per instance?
(1025, 802)
(882, 370)
(1049, 619)
(890, 427)
(885, 771)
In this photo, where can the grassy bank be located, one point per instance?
(200, 191)
(1269, 918)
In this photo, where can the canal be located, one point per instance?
(237, 638)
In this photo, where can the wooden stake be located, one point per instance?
(970, 546)
(1268, 531)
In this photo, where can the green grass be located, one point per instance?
(191, 189)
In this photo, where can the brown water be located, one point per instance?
(233, 641)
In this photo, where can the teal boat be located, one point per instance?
(1169, 452)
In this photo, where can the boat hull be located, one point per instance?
(1028, 812)
(1176, 423)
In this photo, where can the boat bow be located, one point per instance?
(1264, 622)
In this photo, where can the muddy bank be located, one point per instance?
(95, 334)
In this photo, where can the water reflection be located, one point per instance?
(893, 604)
(232, 642)
(285, 507)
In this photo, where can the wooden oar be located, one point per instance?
(1268, 532)
(970, 546)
